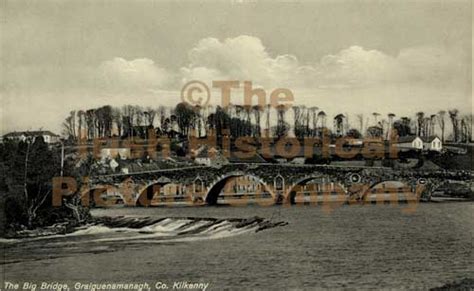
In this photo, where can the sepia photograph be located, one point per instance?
(236, 145)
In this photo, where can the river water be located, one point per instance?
(361, 247)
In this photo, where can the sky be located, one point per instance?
(341, 56)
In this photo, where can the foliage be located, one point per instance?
(26, 185)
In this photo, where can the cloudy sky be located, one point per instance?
(342, 56)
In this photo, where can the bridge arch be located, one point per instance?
(146, 193)
(96, 195)
(398, 190)
(337, 186)
(218, 185)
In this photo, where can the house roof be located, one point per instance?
(429, 138)
(206, 152)
(408, 138)
(257, 158)
(30, 133)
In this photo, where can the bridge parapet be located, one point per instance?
(267, 174)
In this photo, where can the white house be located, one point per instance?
(115, 152)
(209, 157)
(432, 143)
(410, 142)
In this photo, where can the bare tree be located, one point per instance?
(314, 111)
(322, 116)
(33, 201)
(453, 115)
(151, 114)
(441, 122)
(469, 121)
(338, 124)
(117, 119)
(432, 124)
(90, 121)
(390, 124)
(420, 119)
(360, 119)
(81, 124)
(281, 128)
(466, 128)
(257, 109)
(268, 108)
(162, 115)
(69, 125)
(375, 115)
(297, 119)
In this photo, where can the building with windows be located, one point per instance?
(412, 142)
(432, 143)
(48, 136)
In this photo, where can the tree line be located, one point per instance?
(130, 121)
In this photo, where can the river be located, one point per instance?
(362, 247)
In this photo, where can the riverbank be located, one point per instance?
(465, 284)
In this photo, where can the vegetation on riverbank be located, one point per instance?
(27, 169)
(464, 284)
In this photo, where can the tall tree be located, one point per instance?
(81, 125)
(162, 115)
(432, 124)
(268, 111)
(441, 122)
(402, 126)
(69, 125)
(185, 116)
(376, 115)
(297, 119)
(281, 125)
(360, 119)
(390, 124)
(453, 115)
(420, 118)
(31, 167)
(90, 121)
(338, 124)
(322, 116)
(257, 110)
(117, 119)
(314, 111)
(150, 115)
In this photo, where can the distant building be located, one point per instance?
(432, 143)
(209, 157)
(298, 160)
(410, 142)
(47, 135)
(115, 152)
(253, 159)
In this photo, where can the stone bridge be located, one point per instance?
(202, 184)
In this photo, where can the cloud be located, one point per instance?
(246, 58)
(138, 74)
(355, 67)
(240, 58)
